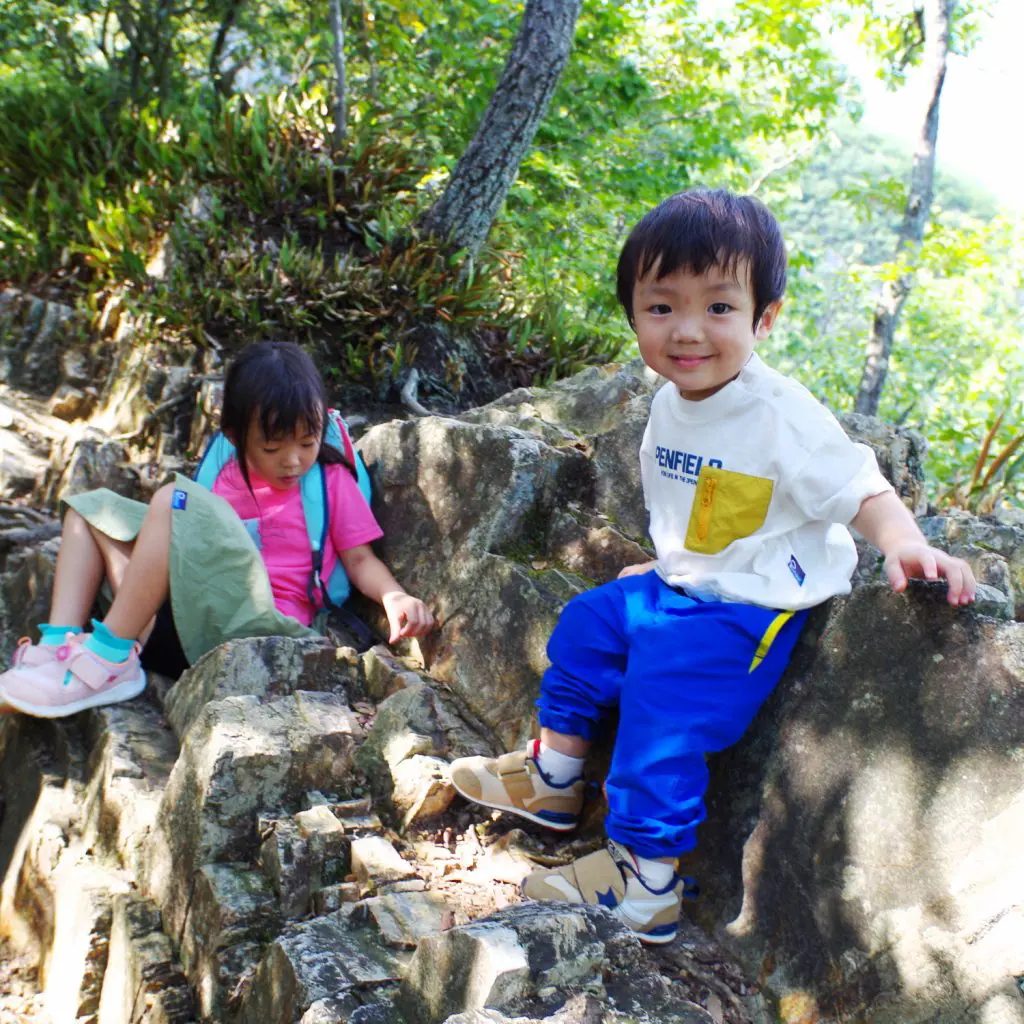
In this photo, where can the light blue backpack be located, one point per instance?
(314, 502)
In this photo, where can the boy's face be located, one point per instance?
(695, 329)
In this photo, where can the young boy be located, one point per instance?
(749, 483)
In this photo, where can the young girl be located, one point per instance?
(185, 573)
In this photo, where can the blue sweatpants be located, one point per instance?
(687, 676)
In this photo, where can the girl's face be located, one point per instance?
(281, 460)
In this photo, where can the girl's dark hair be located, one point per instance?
(704, 228)
(276, 384)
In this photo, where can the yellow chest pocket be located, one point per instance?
(726, 507)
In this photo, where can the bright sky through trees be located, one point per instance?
(979, 134)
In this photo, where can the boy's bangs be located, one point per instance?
(696, 249)
(698, 231)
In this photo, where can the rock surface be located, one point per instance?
(274, 837)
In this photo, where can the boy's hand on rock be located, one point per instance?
(917, 559)
(637, 570)
(407, 615)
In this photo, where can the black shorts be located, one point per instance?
(162, 653)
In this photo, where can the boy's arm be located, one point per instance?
(885, 521)
(636, 570)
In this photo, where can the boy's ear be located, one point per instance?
(767, 321)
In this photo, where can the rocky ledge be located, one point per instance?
(274, 836)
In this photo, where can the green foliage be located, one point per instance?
(137, 129)
(80, 174)
(958, 361)
(893, 32)
(994, 476)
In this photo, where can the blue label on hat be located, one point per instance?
(179, 499)
(795, 568)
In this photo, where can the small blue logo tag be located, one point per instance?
(179, 499)
(794, 567)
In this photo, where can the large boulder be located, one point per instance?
(500, 516)
(239, 757)
(526, 958)
(862, 852)
(464, 503)
(34, 335)
(861, 855)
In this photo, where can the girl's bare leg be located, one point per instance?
(85, 557)
(145, 581)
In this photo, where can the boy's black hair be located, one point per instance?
(704, 228)
(277, 383)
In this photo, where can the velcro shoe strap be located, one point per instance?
(598, 878)
(515, 776)
(90, 670)
(511, 764)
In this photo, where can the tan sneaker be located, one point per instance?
(602, 878)
(515, 783)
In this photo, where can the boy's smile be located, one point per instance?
(697, 330)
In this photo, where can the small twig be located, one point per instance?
(152, 417)
(8, 508)
(409, 389)
(29, 534)
(213, 342)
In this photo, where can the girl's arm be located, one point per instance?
(407, 615)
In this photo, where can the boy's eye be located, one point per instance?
(719, 307)
(660, 309)
(309, 444)
(271, 451)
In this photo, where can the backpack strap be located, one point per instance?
(313, 487)
(355, 625)
(218, 453)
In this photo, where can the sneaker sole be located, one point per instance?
(518, 812)
(647, 938)
(124, 691)
(653, 939)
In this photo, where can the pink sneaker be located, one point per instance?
(71, 681)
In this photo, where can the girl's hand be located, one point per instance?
(407, 615)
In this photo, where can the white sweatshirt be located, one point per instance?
(750, 489)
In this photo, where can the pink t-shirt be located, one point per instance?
(278, 525)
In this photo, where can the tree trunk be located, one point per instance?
(919, 200)
(340, 99)
(222, 82)
(466, 210)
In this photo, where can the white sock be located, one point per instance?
(559, 768)
(655, 874)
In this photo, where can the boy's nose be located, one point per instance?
(686, 329)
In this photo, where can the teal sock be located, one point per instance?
(104, 643)
(53, 636)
